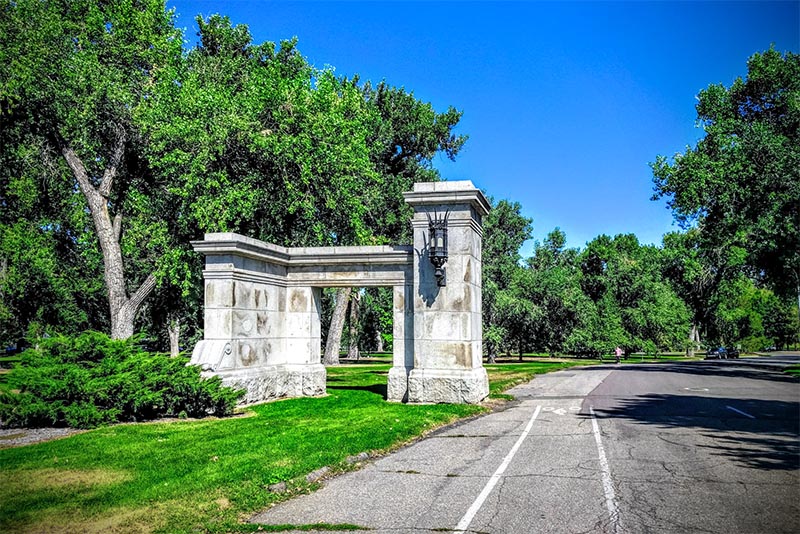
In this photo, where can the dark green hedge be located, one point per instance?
(91, 380)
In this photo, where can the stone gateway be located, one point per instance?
(262, 306)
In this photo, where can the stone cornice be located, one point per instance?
(239, 245)
(438, 193)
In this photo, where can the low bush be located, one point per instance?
(90, 380)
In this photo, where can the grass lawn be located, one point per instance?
(206, 475)
(794, 370)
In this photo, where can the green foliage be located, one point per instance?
(90, 380)
(505, 316)
(741, 183)
(376, 318)
(229, 135)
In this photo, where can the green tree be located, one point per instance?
(698, 270)
(72, 76)
(259, 142)
(505, 316)
(551, 282)
(741, 183)
(635, 305)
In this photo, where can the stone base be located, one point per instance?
(275, 381)
(397, 385)
(452, 386)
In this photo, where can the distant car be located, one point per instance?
(722, 353)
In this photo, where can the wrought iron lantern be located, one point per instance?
(437, 248)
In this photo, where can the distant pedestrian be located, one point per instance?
(617, 353)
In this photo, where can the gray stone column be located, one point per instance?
(447, 327)
(403, 343)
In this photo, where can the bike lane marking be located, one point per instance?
(608, 485)
(470, 515)
(741, 412)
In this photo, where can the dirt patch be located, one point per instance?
(16, 437)
(44, 479)
(119, 522)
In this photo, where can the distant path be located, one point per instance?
(684, 447)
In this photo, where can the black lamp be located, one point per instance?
(437, 248)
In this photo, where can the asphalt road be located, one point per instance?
(687, 447)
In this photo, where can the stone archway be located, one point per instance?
(262, 306)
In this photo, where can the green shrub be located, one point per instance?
(756, 343)
(91, 380)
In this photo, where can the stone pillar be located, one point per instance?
(447, 324)
(403, 343)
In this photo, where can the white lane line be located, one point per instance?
(608, 486)
(470, 515)
(741, 412)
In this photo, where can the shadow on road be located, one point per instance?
(769, 440)
(727, 368)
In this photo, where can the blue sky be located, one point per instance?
(565, 103)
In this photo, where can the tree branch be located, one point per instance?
(144, 290)
(78, 170)
(111, 171)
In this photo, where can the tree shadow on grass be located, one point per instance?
(768, 440)
(378, 389)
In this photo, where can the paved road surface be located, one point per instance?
(693, 447)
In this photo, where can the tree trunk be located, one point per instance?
(694, 338)
(123, 309)
(174, 332)
(352, 351)
(491, 352)
(334, 342)
(798, 306)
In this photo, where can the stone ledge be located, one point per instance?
(275, 381)
(452, 386)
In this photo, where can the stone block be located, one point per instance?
(268, 324)
(433, 386)
(313, 378)
(243, 295)
(270, 382)
(297, 325)
(250, 353)
(218, 293)
(244, 323)
(299, 300)
(443, 325)
(397, 384)
(441, 354)
(265, 297)
(298, 350)
(218, 323)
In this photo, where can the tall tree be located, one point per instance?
(505, 315)
(741, 182)
(552, 283)
(72, 76)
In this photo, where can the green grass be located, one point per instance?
(186, 476)
(793, 370)
(206, 475)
